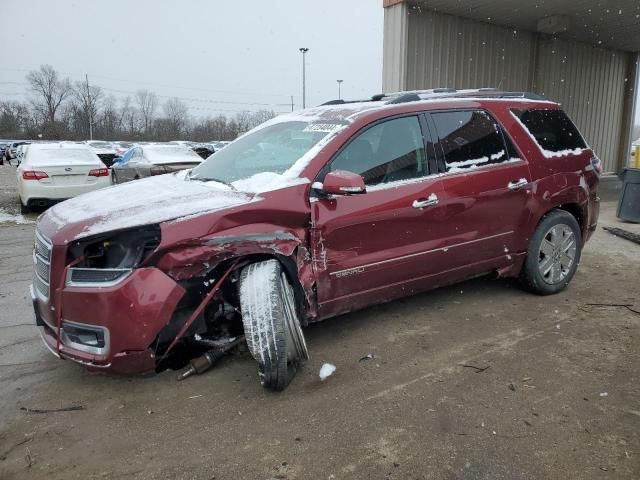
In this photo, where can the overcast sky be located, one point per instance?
(218, 56)
(228, 51)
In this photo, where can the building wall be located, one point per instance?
(439, 50)
(448, 51)
(590, 83)
(394, 48)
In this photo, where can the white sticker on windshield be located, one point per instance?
(321, 127)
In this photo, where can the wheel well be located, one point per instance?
(577, 212)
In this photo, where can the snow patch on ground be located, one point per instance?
(6, 217)
(326, 371)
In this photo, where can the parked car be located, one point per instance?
(313, 215)
(49, 173)
(219, 145)
(12, 150)
(3, 149)
(121, 148)
(149, 160)
(105, 151)
(20, 151)
(204, 150)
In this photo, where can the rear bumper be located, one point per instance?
(35, 190)
(130, 315)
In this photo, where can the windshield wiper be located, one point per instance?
(210, 179)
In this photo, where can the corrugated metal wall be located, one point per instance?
(448, 51)
(589, 82)
(394, 48)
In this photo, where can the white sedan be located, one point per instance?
(50, 173)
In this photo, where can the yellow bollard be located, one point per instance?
(635, 161)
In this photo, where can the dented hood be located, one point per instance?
(141, 202)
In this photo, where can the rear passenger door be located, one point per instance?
(487, 186)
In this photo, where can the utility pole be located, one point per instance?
(339, 83)
(304, 77)
(86, 76)
(292, 103)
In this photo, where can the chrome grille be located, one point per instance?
(41, 264)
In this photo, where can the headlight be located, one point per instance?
(108, 259)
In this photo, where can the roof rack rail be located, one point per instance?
(437, 93)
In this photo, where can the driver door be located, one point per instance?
(369, 247)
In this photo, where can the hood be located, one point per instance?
(142, 202)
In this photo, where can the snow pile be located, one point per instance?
(6, 217)
(326, 371)
(143, 202)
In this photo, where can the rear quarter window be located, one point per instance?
(470, 139)
(552, 130)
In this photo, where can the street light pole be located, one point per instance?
(304, 77)
(339, 83)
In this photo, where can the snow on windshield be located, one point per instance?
(171, 154)
(62, 156)
(274, 154)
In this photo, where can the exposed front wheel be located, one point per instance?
(271, 323)
(553, 254)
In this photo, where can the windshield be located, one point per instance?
(170, 154)
(271, 149)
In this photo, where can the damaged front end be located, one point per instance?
(125, 303)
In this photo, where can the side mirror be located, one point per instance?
(342, 182)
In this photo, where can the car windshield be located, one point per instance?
(271, 149)
(166, 154)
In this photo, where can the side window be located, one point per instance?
(552, 129)
(387, 152)
(469, 139)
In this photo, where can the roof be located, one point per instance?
(612, 24)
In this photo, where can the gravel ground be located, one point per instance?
(475, 381)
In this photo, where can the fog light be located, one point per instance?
(86, 338)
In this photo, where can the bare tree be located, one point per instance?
(177, 116)
(147, 103)
(49, 91)
(87, 99)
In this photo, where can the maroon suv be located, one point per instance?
(311, 215)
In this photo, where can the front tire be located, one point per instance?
(553, 254)
(271, 323)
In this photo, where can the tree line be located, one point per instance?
(58, 109)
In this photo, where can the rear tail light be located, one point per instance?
(596, 164)
(99, 172)
(34, 175)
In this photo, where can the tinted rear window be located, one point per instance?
(469, 139)
(552, 129)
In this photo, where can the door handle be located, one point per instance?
(432, 200)
(518, 185)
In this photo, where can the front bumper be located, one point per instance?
(130, 314)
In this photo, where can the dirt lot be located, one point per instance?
(476, 381)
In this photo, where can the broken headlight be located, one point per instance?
(108, 259)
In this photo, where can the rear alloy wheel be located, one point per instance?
(553, 255)
(271, 323)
